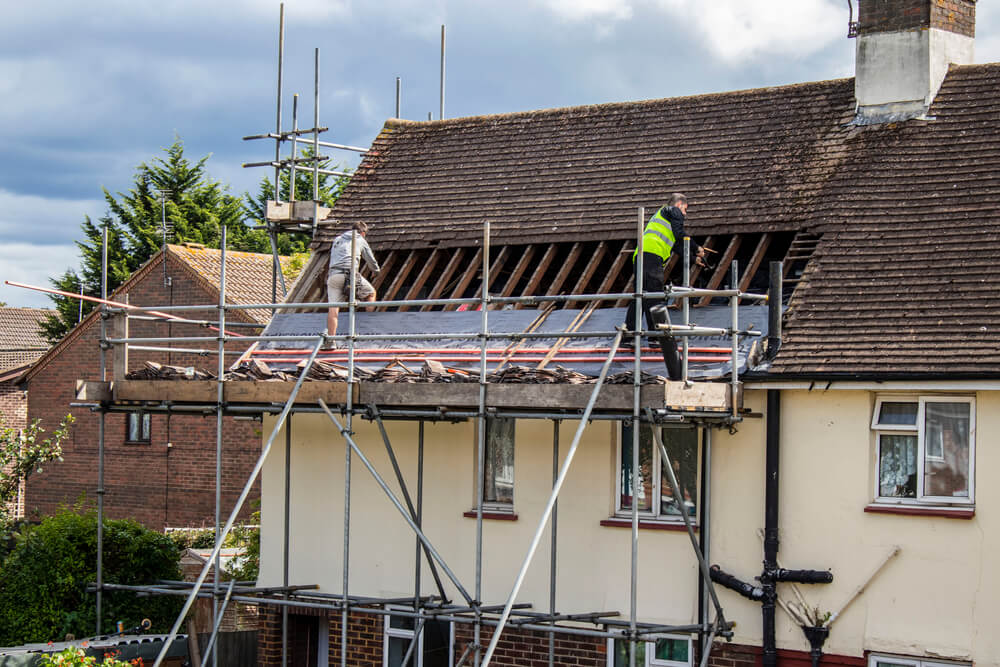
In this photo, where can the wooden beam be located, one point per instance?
(497, 265)
(722, 267)
(536, 277)
(624, 256)
(519, 269)
(387, 266)
(568, 266)
(592, 263)
(401, 275)
(474, 269)
(445, 278)
(755, 260)
(422, 277)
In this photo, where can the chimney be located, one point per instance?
(903, 51)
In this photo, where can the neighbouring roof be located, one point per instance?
(21, 341)
(903, 278)
(248, 274)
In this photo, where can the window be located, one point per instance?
(137, 426)
(434, 645)
(898, 661)
(660, 651)
(925, 449)
(655, 497)
(498, 471)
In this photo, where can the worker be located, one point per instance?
(338, 280)
(662, 232)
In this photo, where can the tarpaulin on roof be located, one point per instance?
(583, 355)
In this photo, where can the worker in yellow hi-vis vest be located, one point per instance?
(662, 233)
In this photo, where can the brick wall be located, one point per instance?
(739, 655)
(158, 485)
(957, 16)
(530, 647)
(14, 408)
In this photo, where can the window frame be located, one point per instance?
(875, 658)
(493, 506)
(650, 651)
(389, 632)
(145, 427)
(654, 515)
(919, 429)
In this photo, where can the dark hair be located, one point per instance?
(678, 198)
(361, 227)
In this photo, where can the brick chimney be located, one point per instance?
(903, 51)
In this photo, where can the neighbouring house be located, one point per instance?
(862, 448)
(21, 344)
(160, 467)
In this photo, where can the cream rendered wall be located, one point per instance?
(937, 598)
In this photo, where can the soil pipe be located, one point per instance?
(769, 584)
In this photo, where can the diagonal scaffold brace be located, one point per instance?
(239, 504)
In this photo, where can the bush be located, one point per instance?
(43, 580)
(74, 657)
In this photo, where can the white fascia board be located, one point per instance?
(869, 385)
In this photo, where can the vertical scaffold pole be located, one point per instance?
(554, 543)
(100, 428)
(420, 512)
(277, 121)
(220, 403)
(441, 108)
(352, 308)
(481, 441)
(686, 304)
(706, 528)
(315, 161)
(734, 303)
(636, 392)
(286, 539)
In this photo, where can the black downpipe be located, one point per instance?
(769, 583)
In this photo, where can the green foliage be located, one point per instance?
(76, 657)
(23, 452)
(43, 580)
(248, 537)
(195, 208)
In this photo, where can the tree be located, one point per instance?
(23, 452)
(43, 582)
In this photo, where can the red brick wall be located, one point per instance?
(738, 655)
(157, 485)
(957, 16)
(517, 648)
(14, 408)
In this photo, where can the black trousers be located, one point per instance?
(655, 311)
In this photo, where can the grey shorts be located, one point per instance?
(338, 286)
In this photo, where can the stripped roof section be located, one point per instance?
(21, 340)
(752, 161)
(907, 281)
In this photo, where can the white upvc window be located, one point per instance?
(655, 497)
(435, 643)
(659, 651)
(138, 426)
(498, 465)
(880, 660)
(925, 449)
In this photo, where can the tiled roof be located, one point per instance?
(248, 274)
(907, 281)
(753, 160)
(903, 281)
(21, 343)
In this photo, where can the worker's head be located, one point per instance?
(361, 228)
(680, 201)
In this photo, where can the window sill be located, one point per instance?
(647, 524)
(136, 442)
(492, 516)
(915, 510)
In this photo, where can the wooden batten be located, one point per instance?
(295, 212)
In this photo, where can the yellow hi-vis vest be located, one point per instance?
(658, 237)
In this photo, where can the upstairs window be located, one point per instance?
(655, 497)
(925, 449)
(138, 426)
(498, 471)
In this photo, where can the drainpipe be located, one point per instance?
(768, 583)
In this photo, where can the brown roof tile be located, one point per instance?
(21, 342)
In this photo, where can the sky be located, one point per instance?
(90, 90)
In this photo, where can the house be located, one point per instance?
(160, 466)
(21, 343)
(849, 465)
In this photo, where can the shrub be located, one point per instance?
(75, 657)
(43, 580)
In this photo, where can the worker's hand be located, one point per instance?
(700, 254)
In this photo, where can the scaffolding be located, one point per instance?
(340, 403)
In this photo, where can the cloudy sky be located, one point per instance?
(91, 89)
